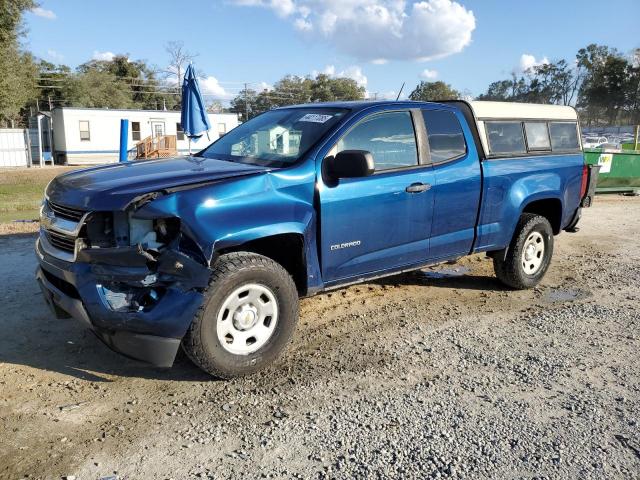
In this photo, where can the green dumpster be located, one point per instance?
(619, 171)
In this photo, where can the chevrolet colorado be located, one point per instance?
(213, 251)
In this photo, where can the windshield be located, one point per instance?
(277, 138)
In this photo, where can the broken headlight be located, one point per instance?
(153, 233)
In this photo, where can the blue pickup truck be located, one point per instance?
(213, 251)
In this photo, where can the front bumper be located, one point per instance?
(153, 335)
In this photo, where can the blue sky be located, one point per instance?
(380, 43)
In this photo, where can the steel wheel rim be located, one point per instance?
(247, 319)
(533, 253)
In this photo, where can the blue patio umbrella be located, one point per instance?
(194, 119)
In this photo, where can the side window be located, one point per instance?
(85, 134)
(505, 137)
(446, 140)
(564, 136)
(537, 135)
(135, 130)
(388, 136)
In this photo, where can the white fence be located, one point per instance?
(14, 148)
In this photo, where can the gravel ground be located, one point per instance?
(435, 374)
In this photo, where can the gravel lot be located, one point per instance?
(435, 374)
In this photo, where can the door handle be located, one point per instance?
(418, 187)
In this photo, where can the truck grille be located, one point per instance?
(61, 241)
(68, 213)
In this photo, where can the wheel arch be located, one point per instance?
(287, 248)
(550, 208)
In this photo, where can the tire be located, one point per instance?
(244, 288)
(529, 254)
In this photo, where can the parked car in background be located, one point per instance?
(213, 251)
(593, 142)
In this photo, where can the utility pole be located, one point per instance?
(50, 107)
(246, 103)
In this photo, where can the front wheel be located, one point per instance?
(248, 317)
(529, 254)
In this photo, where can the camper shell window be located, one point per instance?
(530, 137)
(537, 136)
(564, 136)
(505, 138)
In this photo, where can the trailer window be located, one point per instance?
(564, 136)
(505, 137)
(179, 132)
(135, 130)
(85, 134)
(446, 140)
(537, 136)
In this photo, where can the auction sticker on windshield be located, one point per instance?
(315, 118)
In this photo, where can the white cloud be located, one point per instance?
(429, 74)
(302, 25)
(283, 8)
(44, 13)
(353, 72)
(211, 86)
(528, 61)
(380, 30)
(52, 54)
(103, 56)
(262, 86)
(392, 94)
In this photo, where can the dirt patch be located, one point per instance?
(436, 375)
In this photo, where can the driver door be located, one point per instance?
(379, 222)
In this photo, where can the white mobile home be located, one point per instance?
(92, 135)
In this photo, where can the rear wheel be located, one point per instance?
(529, 254)
(248, 317)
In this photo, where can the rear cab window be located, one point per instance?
(445, 135)
(389, 137)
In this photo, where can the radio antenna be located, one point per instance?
(400, 92)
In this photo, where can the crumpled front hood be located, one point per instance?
(113, 187)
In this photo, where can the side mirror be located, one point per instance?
(352, 164)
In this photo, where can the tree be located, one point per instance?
(432, 91)
(632, 106)
(327, 89)
(138, 78)
(17, 85)
(292, 90)
(99, 89)
(53, 83)
(606, 89)
(179, 57)
(243, 104)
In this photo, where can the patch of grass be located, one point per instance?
(22, 190)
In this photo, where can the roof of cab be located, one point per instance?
(482, 110)
(522, 111)
(354, 105)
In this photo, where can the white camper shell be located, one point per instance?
(508, 129)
